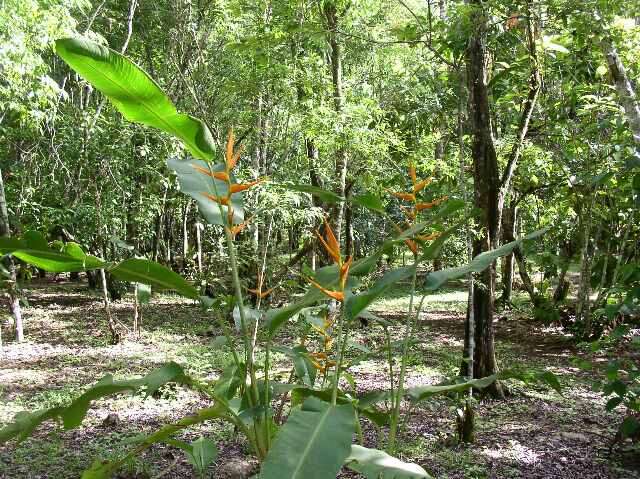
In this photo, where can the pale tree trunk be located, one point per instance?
(624, 88)
(14, 298)
(185, 234)
(199, 228)
(332, 20)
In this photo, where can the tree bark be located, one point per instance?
(487, 186)
(14, 297)
(624, 88)
(332, 21)
(508, 235)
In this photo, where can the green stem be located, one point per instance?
(403, 367)
(342, 348)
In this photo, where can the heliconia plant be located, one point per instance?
(316, 440)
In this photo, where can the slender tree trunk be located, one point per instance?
(332, 20)
(14, 297)
(624, 87)
(185, 234)
(508, 235)
(487, 185)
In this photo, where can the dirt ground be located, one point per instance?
(534, 433)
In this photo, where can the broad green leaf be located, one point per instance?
(98, 470)
(481, 262)
(375, 464)
(136, 270)
(8, 245)
(369, 201)
(35, 240)
(325, 195)
(357, 303)
(203, 452)
(134, 93)
(57, 262)
(24, 423)
(312, 444)
(303, 367)
(195, 183)
(421, 393)
(275, 318)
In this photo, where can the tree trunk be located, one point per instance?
(332, 21)
(14, 297)
(624, 87)
(508, 235)
(486, 185)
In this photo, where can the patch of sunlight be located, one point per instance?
(513, 451)
(398, 301)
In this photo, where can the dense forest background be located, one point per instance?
(521, 115)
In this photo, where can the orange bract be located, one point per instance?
(404, 196)
(218, 175)
(430, 237)
(412, 174)
(344, 271)
(412, 246)
(222, 200)
(331, 243)
(337, 295)
(417, 187)
(238, 187)
(261, 294)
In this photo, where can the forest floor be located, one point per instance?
(534, 433)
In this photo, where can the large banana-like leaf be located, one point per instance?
(58, 262)
(197, 183)
(375, 464)
(313, 444)
(481, 262)
(134, 93)
(137, 270)
(421, 393)
(71, 416)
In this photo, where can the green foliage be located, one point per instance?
(375, 464)
(314, 443)
(134, 93)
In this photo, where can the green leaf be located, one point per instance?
(203, 453)
(98, 470)
(369, 201)
(195, 183)
(275, 318)
(375, 464)
(421, 393)
(356, 303)
(134, 93)
(324, 195)
(8, 245)
(57, 262)
(613, 403)
(136, 270)
(303, 367)
(313, 444)
(35, 240)
(481, 262)
(24, 423)
(630, 426)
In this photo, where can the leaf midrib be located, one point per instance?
(305, 452)
(144, 105)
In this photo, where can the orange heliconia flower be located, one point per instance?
(261, 294)
(412, 246)
(412, 173)
(218, 175)
(417, 187)
(238, 187)
(430, 237)
(426, 206)
(404, 196)
(344, 271)
(337, 295)
(224, 200)
(331, 243)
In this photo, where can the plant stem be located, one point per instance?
(403, 367)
